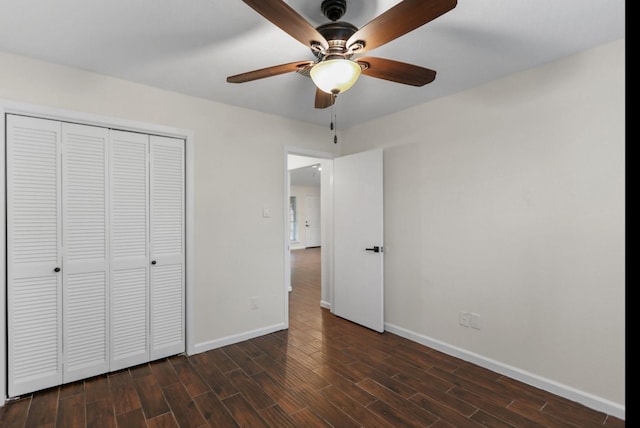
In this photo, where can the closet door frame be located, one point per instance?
(10, 107)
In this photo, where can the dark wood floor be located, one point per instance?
(321, 372)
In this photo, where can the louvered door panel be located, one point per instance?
(167, 246)
(34, 292)
(129, 249)
(85, 249)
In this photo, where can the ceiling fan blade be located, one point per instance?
(399, 20)
(323, 99)
(269, 71)
(395, 71)
(290, 21)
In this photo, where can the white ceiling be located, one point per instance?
(192, 46)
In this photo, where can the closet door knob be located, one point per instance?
(56, 269)
(153, 262)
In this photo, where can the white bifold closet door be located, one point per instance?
(34, 254)
(167, 232)
(95, 250)
(129, 162)
(85, 252)
(147, 246)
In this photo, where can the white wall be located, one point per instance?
(508, 201)
(239, 170)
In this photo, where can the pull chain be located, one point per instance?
(334, 120)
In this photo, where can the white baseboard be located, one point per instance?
(324, 304)
(589, 400)
(230, 340)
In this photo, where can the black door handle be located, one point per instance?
(375, 249)
(153, 262)
(56, 269)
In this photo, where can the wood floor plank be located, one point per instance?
(183, 407)
(164, 372)
(100, 414)
(122, 387)
(306, 418)
(305, 360)
(379, 377)
(242, 412)
(221, 360)
(250, 390)
(442, 411)
(44, 408)
(214, 412)
(271, 347)
(424, 381)
(163, 421)
(96, 389)
(330, 353)
(490, 420)
(574, 412)
(356, 410)
(488, 394)
(71, 412)
(151, 397)
(489, 405)
(396, 417)
(140, 370)
(439, 394)
(190, 378)
(613, 422)
(284, 397)
(324, 408)
(345, 385)
(70, 389)
(275, 417)
(217, 381)
(397, 401)
(534, 414)
(242, 360)
(250, 349)
(14, 414)
(131, 419)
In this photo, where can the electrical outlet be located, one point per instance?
(464, 318)
(475, 321)
(254, 302)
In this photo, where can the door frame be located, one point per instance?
(326, 226)
(11, 107)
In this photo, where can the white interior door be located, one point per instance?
(358, 239)
(312, 220)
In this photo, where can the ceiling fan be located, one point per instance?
(336, 42)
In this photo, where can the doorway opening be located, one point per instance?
(308, 204)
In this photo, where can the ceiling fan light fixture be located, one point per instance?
(335, 76)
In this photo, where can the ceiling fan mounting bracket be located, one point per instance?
(334, 9)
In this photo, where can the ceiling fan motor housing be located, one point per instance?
(336, 34)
